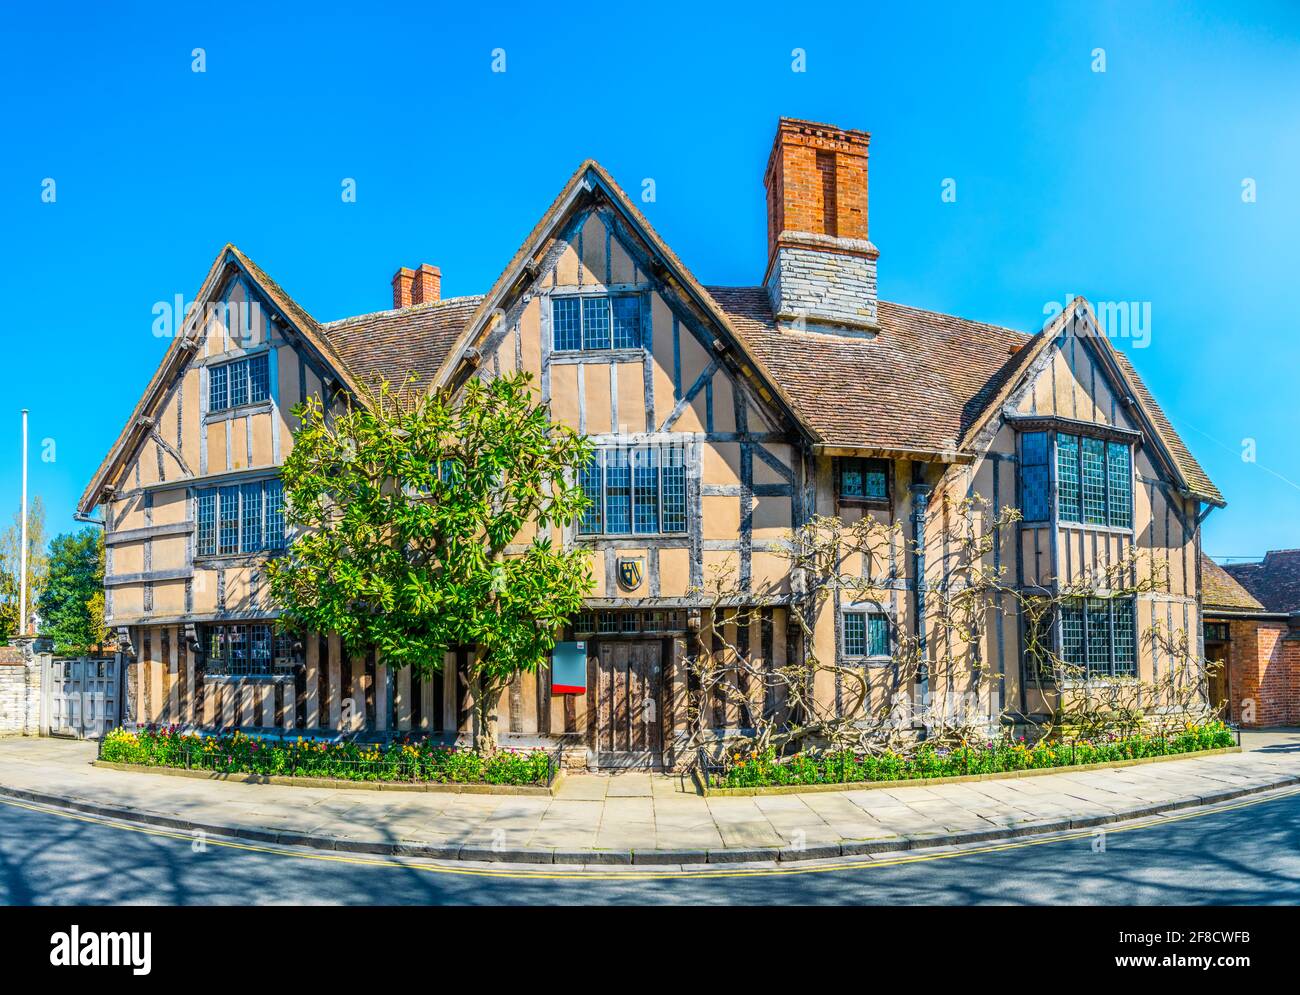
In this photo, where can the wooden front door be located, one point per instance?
(626, 700)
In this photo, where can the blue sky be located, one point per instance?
(1124, 185)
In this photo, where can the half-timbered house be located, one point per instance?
(723, 417)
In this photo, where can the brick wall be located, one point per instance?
(817, 181)
(1264, 673)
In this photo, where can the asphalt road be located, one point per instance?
(1248, 853)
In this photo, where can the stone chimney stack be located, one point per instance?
(821, 267)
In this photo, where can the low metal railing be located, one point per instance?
(197, 755)
(714, 770)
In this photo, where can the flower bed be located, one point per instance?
(410, 760)
(766, 769)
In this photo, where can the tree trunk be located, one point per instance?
(486, 694)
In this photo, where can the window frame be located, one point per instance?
(1090, 626)
(867, 613)
(210, 514)
(584, 300)
(866, 464)
(281, 659)
(1049, 475)
(1113, 488)
(1108, 490)
(667, 456)
(225, 373)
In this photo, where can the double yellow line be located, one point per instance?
(631, 875)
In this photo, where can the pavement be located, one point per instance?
(643, 818)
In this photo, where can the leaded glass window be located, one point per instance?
(274, 509)
(673, 479)
(259, 379)
(645, 483)
(241, 518)
(866, 634)
(251, 517)
(229, 524)
(218, 397)
(596, 322)
(1034, 505)
(1119, 500)
(635, 490)
(864, 479)
(1092, 470)
(566, 324)
(1094, 481)
(1067, 477)
(1099, 636)
(243, 650)
(243, 381)
(626, 312)
(1098, 629)
(207, 541)
(618, 492)
(590, 478)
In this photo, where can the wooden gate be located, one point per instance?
(626, 700)
(82, 696)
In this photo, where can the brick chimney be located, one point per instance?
(417, 286)
(428, 285)
(821, 267)
(402, 283)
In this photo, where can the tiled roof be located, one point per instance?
(1275, 581)
(393, 344)
(917, 385)
(1220, 589)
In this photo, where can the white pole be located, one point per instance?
(22, 556)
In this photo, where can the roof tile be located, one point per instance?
(1275, 581)
(1219, 589)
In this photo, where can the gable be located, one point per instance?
(1073, 384)
(593, 232)
(1071, 371)
(237, 309)
(694, 377)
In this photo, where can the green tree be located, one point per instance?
(11, 565)
(424, 524)
(68, 603)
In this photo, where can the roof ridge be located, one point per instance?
(410, 309)
(908, 307)
(958, 317)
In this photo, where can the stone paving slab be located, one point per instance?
(640, 817)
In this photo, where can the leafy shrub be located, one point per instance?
(405, 759)
(991, 757)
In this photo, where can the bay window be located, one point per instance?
(1093, 479)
